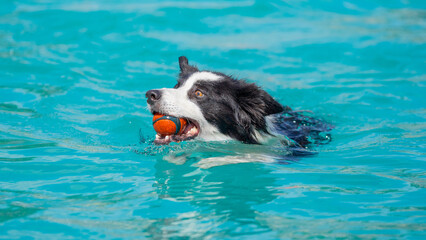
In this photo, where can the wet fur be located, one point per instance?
(241, 110)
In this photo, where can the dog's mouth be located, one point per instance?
(192, 129)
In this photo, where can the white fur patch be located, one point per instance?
(176, 102)
(199, 76)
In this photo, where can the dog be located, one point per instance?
(219, 107)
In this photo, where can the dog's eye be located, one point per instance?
(198, 93)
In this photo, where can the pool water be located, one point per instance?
(76, 153)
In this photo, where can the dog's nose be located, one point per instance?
(153, 95)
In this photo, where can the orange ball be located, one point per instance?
(168, 125)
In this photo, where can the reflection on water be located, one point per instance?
(218, 197)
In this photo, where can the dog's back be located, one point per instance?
(302, 130)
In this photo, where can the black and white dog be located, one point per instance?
(219, 107)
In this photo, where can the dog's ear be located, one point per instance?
(254, 104)
(185, 68)
(271, 105)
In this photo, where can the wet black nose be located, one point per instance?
(153, 96)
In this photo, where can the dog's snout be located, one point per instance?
(153, 95)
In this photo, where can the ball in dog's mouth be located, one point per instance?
(191, 131)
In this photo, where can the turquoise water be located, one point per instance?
(76, 153)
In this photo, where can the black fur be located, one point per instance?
(236, 108)
(185, 69)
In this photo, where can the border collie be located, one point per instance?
(220, 107)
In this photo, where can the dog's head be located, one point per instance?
(217, 106)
